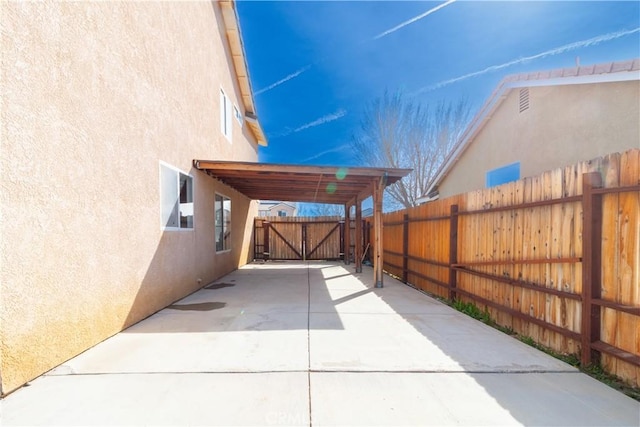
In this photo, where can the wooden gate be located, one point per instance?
(300, 238)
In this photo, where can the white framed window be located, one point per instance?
(176, 198)
(238, 116)
(223, 223)
(225, 115)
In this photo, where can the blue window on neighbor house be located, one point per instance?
(503, 174)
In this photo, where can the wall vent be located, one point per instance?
(524, 99)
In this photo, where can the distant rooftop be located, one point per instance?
(583, 74)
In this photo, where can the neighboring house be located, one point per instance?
(539, 121)
(272, 208)
(367, 212)
(104, 218)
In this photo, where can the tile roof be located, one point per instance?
(585, 70)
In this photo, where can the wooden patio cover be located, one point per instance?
(316, 184)
(297, 183)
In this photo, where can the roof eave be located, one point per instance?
(236, 46)
(254, 125)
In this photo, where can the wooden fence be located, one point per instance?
(298, 238)
(537, 254)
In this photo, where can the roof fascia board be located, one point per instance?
(622, 76)
(258, 132)
(297, 169)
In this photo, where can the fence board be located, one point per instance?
(627, 286)
(544, 243)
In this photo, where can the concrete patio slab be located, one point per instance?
(247, 343)
(311, 343)
(238, 399)
(393, 342)
(487, 399)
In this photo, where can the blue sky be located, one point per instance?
(314, 66)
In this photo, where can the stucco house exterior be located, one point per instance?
(274, 208)
(104, 219)
(539, 121)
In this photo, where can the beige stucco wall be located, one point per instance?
(563, 125)
(93, 96)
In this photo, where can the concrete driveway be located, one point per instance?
(313, 344)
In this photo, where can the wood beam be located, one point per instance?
(307, 170)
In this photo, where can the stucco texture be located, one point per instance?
(562, 126)
(94, 96)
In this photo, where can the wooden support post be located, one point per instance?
(368, 249)
(265, 241)
(405, 248)
(378, 258)
(358, 248)
(255, 238)
(347, 234)
(591, 264)
(453, 251)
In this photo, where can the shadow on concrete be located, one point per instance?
(257, 297)
(354, 327)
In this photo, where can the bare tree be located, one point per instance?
(400, 133)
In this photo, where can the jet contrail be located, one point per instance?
(385, 33)
(556, 51)
(286, 79)
(322, 120)
(342, 147)
(414, 19)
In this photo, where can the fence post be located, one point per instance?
(304, 242)
(453, 251)
(405, 248)
(265, 241)
(342, 241)
(347, 234)
(591, 264)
